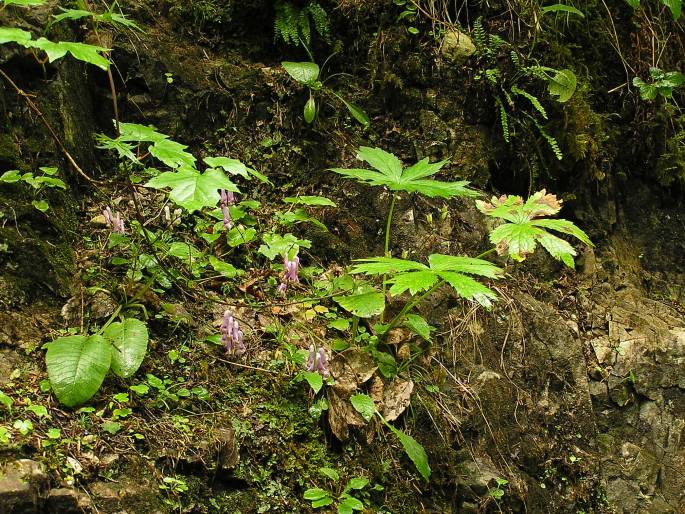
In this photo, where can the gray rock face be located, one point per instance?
(22, 483)
(639, 344)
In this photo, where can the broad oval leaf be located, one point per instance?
(310, 110)
(358, 113)
(563, 8)
(129, 345)
(675, 6)
(562, 85)
(310, 200)
(314, 380)
(304, 72)
(77, 366)
(414, 451)
(364, 405)
(315, 493)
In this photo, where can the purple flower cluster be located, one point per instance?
(227, 198)
(318, 361)
(114, 221)
(290, 273)
(231, 335)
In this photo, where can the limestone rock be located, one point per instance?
(457, 47)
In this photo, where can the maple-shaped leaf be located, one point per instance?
(390, 172)
(416, 277)
(80, 51)
(172, 154)
(235, 167)
(191, 189)
(526, 226)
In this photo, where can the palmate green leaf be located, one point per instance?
(675, 6)
(70, 14)
(129, 345)
(526, 226)
(24, 3)
(469, 288)
(77, 366)
(389, 172)
(134, 132)
(172, 154)
(278, 245)
(633, 3)
(385, 266)
(414, 282)
(468, 265)
(235, 167)
(520, 238)
(416, 277)
(14, 35)
(191, 189)
(81, 51)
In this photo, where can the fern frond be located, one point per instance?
(532, 99)
(320, 18)
(480, 37)
(504, 120)
(303, 26)
(551, 141)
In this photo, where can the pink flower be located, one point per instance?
(231, 335)
(114, 221)
(227, 198)
(290, 273)
(317, 361)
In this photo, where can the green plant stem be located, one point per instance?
(486, 253)
(111, 318)
(387, 239)
(413, 303)
(389, 222)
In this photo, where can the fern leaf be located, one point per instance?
(551, 141)
(532, 99)
(504, 120)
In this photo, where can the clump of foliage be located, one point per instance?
(293, 24)
(347, 500)
(661, 83)
(38, 183)
(511, 78)
(308, 74)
